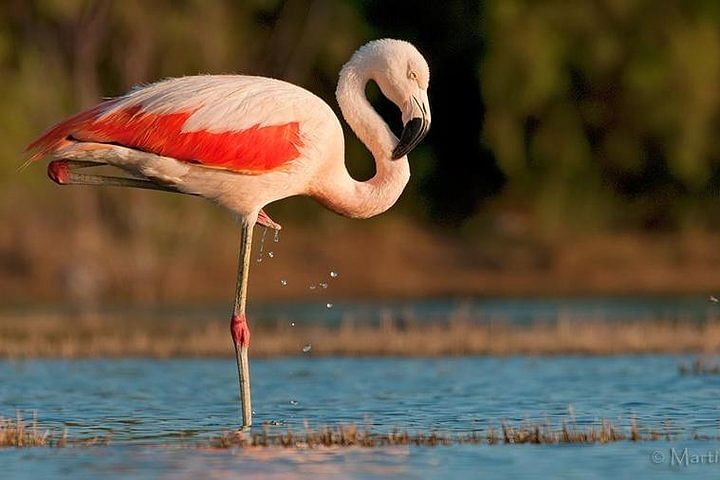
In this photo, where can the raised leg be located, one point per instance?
(63, 172)
(238, 324)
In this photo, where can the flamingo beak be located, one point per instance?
(415, 129)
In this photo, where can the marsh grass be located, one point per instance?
(118, 335)
(527, 432)
(699, 366)
(17, 433)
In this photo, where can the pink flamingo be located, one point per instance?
(245, 142)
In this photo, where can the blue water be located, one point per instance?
(156, 412)
(512, 310)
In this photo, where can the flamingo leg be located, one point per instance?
(63, 172)
(238, 324)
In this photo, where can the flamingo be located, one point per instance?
(246, 141)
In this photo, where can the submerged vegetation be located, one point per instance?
(117, 335)
(700, 366)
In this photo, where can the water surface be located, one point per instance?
(156, 412)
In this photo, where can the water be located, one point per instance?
(262, 245)
(157, 411)
(512, 310)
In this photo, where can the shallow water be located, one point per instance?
(156, 412)
(515, 310)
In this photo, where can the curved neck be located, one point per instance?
(344, 194)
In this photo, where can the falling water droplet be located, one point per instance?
(307, 348)
(713, 299)
(334, 274)
(294, 402)
(312, 287)
(271, 254)
(283, 282)
(292, 324)
(262, 245)
(323, 285)
(329, 305)
(276, 237)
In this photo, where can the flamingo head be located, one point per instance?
(403, 76)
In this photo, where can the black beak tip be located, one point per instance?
(414, 131)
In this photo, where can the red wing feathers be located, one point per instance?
(253, 150)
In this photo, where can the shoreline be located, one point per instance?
(408, 261)
(57, 336)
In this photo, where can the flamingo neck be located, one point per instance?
(344, 194)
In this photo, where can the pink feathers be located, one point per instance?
(253, 150)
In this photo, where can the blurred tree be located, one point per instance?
(604, 112)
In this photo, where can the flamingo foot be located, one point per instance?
(240, 331)
(59, 171)
(264, 220)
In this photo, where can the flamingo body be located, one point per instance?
(211, 135)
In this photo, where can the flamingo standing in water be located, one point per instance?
(245, 142)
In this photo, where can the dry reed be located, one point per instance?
(349, 435)
(116, 335)
(15, 433)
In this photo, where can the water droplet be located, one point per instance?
(307, 348)
(294, 402)
(271, 254)
(253, 412)
(292, 324)
(283, 282)
(334, 274)
(329, 305)
(276, 237)
(323, 285)
(713, 299)
(262, 245)
(312, 287)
